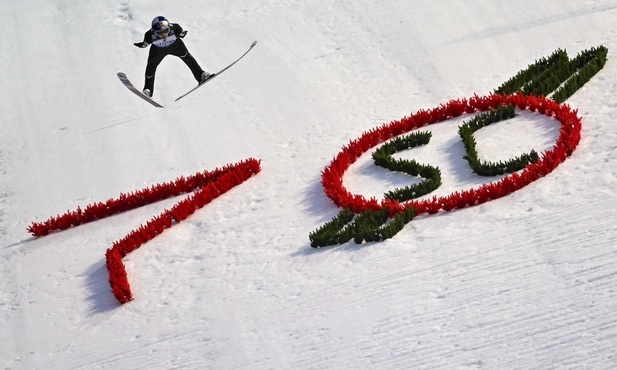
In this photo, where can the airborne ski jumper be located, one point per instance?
(166, 39)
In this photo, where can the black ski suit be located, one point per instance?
(161, 47)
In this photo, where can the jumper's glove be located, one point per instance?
(141, 44)
(182, 34)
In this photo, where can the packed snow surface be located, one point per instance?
(526, 281)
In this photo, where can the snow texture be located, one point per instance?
(526, 281)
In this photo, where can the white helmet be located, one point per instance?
(160, 26)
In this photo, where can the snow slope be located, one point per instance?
(527, 281)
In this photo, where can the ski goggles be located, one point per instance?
(162, 32)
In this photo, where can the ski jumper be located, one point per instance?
(166, 45)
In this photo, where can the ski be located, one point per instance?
(219, 72)
(130, 86)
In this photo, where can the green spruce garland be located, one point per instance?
(584, 67)
(432, 176)
(368, 226)
(556, 75)
(466, 132)
(373, 226)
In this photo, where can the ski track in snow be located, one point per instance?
(526, 281)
